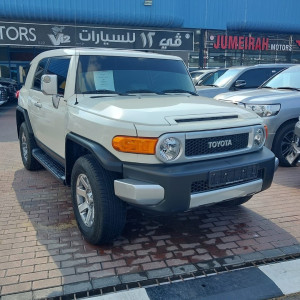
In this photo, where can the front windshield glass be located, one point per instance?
(131, 74)
(289, 78)
(226, 77)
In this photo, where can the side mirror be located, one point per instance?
(49, 84)
(240, 83)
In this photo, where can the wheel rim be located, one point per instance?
(24, 146)
(85, 201)
(286, 144)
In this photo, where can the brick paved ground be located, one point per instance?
(41, 247)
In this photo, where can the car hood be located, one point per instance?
(162, 109)
(210, 91)
(261, 96)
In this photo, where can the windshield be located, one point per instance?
(131, 74)
(211, 78)
(226, 77)
(196, 74)
(289, 78)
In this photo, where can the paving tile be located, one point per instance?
(271, 253)
(159, 273)
(184, 269)
(48, 293)
(78, 287)
(106, 281)
(20, 296)
(126, 278)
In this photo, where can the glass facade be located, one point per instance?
(227, 49)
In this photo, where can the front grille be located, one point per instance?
(202, 186)
(217, 144)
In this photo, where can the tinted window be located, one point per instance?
(59, 66)
(254, 78)
(38, 73)
(212, 77)
(124, 74)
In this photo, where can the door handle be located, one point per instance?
(38, 104)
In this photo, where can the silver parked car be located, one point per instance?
(294, 156)
(277, 101)
(240, 78)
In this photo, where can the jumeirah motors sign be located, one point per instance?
(250, 43)
(51, 35)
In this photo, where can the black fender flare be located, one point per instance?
(22, 116)
(107, 160)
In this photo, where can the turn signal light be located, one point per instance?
(134, 144)
(266, 130)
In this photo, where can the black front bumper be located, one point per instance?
(177, 179)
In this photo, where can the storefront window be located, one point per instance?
(228, 49)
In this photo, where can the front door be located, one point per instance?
(50, 122)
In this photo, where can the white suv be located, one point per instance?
(127, 128)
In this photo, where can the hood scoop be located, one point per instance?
(206, 119)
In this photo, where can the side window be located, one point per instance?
(255, 77)
(273, 71)
(38, 74)
(59, 66)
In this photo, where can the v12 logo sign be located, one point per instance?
(58, 37)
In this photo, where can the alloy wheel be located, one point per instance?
(24, 146)
(85, 201)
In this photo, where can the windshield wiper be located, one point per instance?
(145, 91)
(288, 88)
(266, 87)
(102, 92)
(210, 85)
(180, 91)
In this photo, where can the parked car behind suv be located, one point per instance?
(277, 101)
(11, 87)
(198, 74)
(3, 94)
(240, 78)
(211, 77)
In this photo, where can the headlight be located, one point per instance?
(169, 149)
(264, 110)
(259, 137)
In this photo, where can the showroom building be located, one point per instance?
(204, 33)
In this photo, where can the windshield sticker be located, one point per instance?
(104, 80)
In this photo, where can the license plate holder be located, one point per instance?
(231, 176)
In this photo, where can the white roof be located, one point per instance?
(101, 51)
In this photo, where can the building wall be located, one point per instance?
(252, 15)
(166, 13)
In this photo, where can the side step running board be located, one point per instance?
(50, 164)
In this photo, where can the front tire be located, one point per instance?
(282, 145)
(235, 202)
(27, 144)
(100, 215)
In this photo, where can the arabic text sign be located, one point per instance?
(68, 36)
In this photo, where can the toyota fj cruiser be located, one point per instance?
(127, 128)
